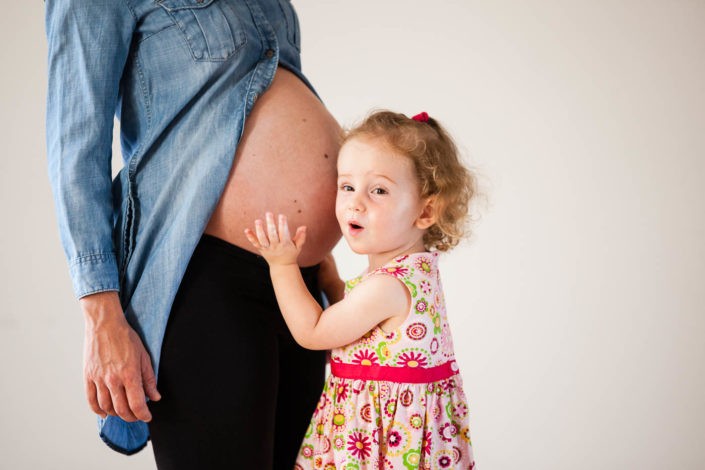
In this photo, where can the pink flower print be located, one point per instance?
(365, 357)
(449, 384)
(421, 305)
(426, 443)
(416, 421)
(339, 442)
(436, 323)
(375, 435)
(425, 287)
(444, 461)
(423, 264)
(325, 445)
(357, 386)
(369, 337)
(393, 439)
(366, 413)
(322, 402)
(416, 331)
(390, 408)
(448, 431)
(318, 462)
(338, 420)
(412, 359)
(359, 445)
(436, 411)
(307, 451)
(396, 271)
(384, 390)
(434, 345)
(342, 392)
(457, 454)
(406, 397)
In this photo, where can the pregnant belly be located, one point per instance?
(285, 163)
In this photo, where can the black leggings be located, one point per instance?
(237, 391)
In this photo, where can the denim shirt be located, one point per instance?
(181, 76)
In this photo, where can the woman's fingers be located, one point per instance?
(92, 395)
(122, 407)
(104, 400)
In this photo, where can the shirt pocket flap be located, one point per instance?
(173, 5)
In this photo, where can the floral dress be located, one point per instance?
(394, 400)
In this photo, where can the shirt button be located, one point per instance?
(269, 53)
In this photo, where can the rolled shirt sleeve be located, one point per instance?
(88, 44)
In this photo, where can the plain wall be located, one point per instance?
(578, 306)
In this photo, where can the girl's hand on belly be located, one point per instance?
(274, 242)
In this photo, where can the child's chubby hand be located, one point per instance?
(274, 242)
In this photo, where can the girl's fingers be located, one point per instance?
(284, 228)
(272, 228)
(300, 237)
(252, 238)
(261, 235)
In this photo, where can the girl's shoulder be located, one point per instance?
(421, 264)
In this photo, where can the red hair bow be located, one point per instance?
(421, 117)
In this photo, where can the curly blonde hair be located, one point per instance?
(439, 170)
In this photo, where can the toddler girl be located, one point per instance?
(394, 398)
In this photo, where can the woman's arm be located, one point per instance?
(88, 45)
(329, 281)
(375, 300)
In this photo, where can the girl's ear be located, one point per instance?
(428, 214)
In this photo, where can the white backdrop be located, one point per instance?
(577, 307)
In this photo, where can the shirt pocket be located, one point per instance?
(211, 35)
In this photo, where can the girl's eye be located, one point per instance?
(346, 187)
(379, 191)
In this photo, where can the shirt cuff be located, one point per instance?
(93, 273)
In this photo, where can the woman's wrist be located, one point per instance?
(102, 307)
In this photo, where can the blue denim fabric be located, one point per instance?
(181, 76)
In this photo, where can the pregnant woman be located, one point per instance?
(217, 123)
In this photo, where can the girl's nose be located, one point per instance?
(355, 203)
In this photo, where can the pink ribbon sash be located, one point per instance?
(415, 375)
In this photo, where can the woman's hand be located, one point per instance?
(274, 241)
(117, 369)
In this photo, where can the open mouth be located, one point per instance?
(355, 228)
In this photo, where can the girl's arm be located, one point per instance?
(375, 300)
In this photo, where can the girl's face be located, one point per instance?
(378, 205)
